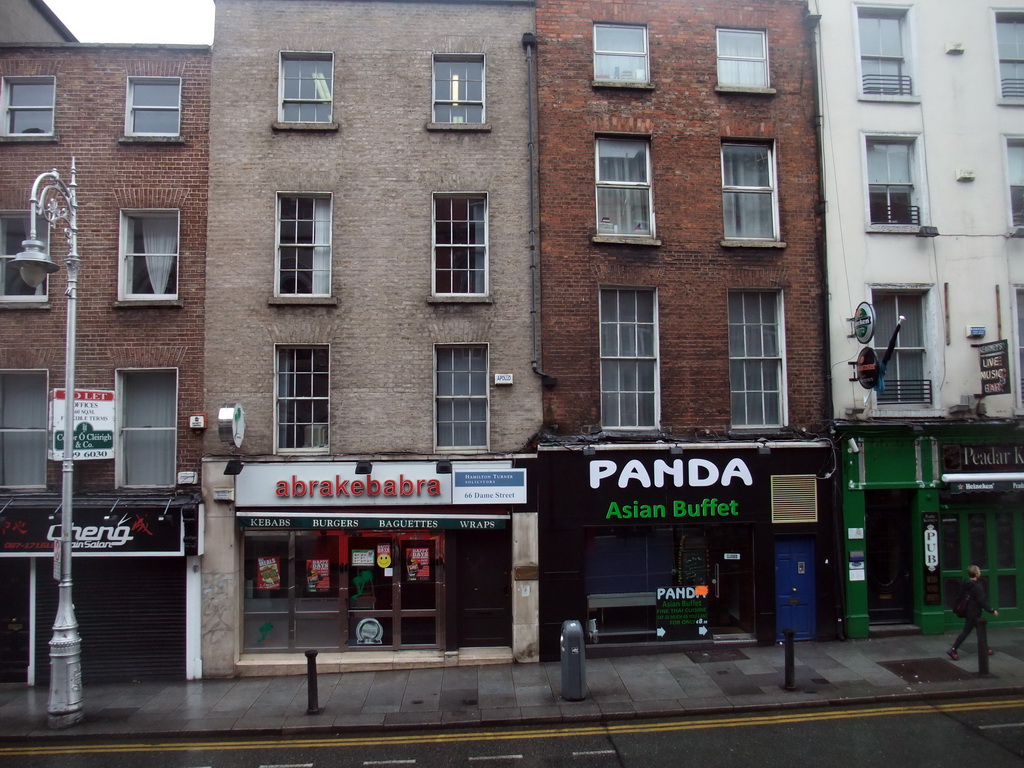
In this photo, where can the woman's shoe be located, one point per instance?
(953, 654)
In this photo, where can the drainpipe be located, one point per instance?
(530, 44)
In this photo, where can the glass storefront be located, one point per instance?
(331, 590)
(990, 537)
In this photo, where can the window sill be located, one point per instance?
(634, 85)
(151, 140)
(302, 301)
(756, 90)
(20, 305)
(471, 127)
(884, 99)
(1010, 102)
(730, 243)
(147, 303)
(30, 138)
(645, 240)
(893, 229)
(452, 299)
(315, 127)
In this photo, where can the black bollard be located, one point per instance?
(982, 648)
(789, 685)
(313, 706)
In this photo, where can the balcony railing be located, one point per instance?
(899, 391)
(1013, 88)
(888, 85)
(896, 214)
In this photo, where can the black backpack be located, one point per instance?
(960, 605)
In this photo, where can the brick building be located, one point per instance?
(369, 313)
(683, 333)
(129, 125)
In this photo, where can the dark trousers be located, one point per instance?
(969, 624)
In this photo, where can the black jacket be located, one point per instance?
(977, 599)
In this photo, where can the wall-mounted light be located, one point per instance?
(364, 467)
(763, 448)
(676, 450)
(233, 467)
(443, 467)
(928, 232)
(589, 450)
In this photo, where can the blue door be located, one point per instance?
(794, 586)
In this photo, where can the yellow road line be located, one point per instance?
(450, 737)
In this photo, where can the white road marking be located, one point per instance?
(594, 752)
(389, 762)
(1003, 725)
(496, 757)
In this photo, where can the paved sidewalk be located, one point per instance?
(719, 680)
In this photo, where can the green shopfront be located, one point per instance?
(920, 504)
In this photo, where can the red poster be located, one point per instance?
(269, 574)
(417, 564)
(318, 575)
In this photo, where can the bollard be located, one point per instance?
(574, 671)
(982, 648)
(313, 705)
(789, 684)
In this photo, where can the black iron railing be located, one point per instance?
(895, 214)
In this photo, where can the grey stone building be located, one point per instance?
(370, 337)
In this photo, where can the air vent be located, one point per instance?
(794, 499)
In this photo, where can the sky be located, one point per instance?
(137, 21)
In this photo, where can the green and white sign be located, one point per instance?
(94, 424)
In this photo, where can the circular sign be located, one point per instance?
(864, 322)
(867, 368)
(231, 424)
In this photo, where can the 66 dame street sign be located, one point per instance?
(94, 424)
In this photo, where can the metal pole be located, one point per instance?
(789, 685)
(65, 702)
(983, 648)
(312, 699)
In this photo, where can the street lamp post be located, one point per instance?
(57, 201)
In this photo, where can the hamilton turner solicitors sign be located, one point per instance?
(391, 483)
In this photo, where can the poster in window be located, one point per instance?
(269, 573)
(362, 557)
(318, 575)
(417, 564)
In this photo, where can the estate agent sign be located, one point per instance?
(94, 424)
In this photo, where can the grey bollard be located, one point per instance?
(574, 662)
(313, 704)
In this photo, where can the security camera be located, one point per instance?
(853, 446)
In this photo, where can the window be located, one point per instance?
(460, 244)
(459, 89)
(905, 380)
(620, 53)
(624, 188)
(304, 245)
(462, 396)
(1020, 341)
(149, 417)
(154, 106)
(1015, 160)
(303, 398)
(891, 195)
(628, 359)
(13, 232)
(1010, 41)
(149, 254)
(748, 191)
(28, 105)
(306, 88)
(884, 70)
(22, 429)
(742, 58)
(755, 358)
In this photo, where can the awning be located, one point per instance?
(320, 521)
(984, 482)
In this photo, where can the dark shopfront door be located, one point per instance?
(484, 565)
(888, 557)
(14, 607)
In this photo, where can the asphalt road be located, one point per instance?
(987, 732)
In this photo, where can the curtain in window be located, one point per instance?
(322, 249)
(23, 429)
(623, 209)
(160, 239)
(149, 427)
(748, 212)
(741, 58)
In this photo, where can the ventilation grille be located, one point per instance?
(794, 499)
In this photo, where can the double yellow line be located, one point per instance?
(460, 736)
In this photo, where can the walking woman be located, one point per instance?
(977, 601)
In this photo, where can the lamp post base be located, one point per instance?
(67, 720)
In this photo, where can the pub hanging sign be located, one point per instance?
(994, 360)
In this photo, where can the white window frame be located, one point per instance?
(749, 361)
(127, 448)
(134, 110)
(1018, 380)
(625, 192)
(627, 346)
(444, 250)
(904, 344)
(130, 219)
(606, 59)
(37, 433)
(918, 186)
(882, 87)
(749, 191)
(455, 97)
(1014, 148)
(319, 93)
(320, 249)
(1011, 90)
(315, 430)
(476, 384)
(725, 60)
(9, 108)
(10, 277)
